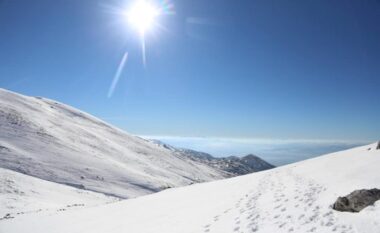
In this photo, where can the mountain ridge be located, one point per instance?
(56, 142)
(234, 165)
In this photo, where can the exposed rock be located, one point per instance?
(357, 200)
(378, 146)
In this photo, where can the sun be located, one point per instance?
(142, 15)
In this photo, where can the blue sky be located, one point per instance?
(273, 69)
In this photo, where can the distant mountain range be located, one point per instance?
(233, 165)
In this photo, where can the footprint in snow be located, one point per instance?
(226, 211)
(255, 229)
(207, 228)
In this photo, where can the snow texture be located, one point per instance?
(21, 194)
(293, 198)
(55, 142)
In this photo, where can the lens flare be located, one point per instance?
(117, 75)
(142, 15)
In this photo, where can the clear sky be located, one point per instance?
(301, 69)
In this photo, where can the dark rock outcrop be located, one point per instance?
(242, 165)
(357, 200)
(378, 146)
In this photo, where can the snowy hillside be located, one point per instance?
(22, 194)
(294, 198)
(55, 142)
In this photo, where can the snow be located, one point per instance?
(22, 194)
(292, 198)
(58, 143)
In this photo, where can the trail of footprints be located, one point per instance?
(248, 218)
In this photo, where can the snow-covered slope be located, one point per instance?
(22, 194)
(294, 198)
(55, 142)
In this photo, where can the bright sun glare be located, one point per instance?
(141, 16)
